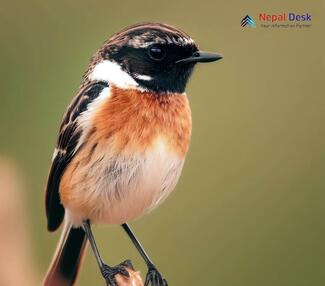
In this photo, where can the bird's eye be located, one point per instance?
(157, 52)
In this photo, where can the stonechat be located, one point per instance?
(122, 144)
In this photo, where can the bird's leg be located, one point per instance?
(153, 277)
(108, 272)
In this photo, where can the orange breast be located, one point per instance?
(134, 119)
(146, 138)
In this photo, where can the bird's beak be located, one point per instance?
(201, 57)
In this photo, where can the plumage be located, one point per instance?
(68, 257)
(69, 136)
(133, 159)
(122, 143)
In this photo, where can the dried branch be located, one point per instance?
(133, 280)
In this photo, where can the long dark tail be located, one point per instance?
(68, 257)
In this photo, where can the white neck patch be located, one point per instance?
(112, 73)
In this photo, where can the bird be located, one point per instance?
(122, 144)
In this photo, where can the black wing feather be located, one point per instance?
(69, 136)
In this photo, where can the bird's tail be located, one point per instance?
(67, 258)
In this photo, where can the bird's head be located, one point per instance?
(151, 56)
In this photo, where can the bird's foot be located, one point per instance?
(154, 278)
(109, 272)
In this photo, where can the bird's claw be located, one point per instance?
(109, 273)
(154, 278)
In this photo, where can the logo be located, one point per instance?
(247, 20)
(285, 17)
(282, 20)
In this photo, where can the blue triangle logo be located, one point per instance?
(247, 21)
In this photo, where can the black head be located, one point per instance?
(157, 56)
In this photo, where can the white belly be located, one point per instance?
(120, 188)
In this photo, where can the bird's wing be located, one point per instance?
(67, 145)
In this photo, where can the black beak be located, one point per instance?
(201, 57)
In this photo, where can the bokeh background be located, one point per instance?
(249, 208)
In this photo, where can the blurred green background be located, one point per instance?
(249, 208)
